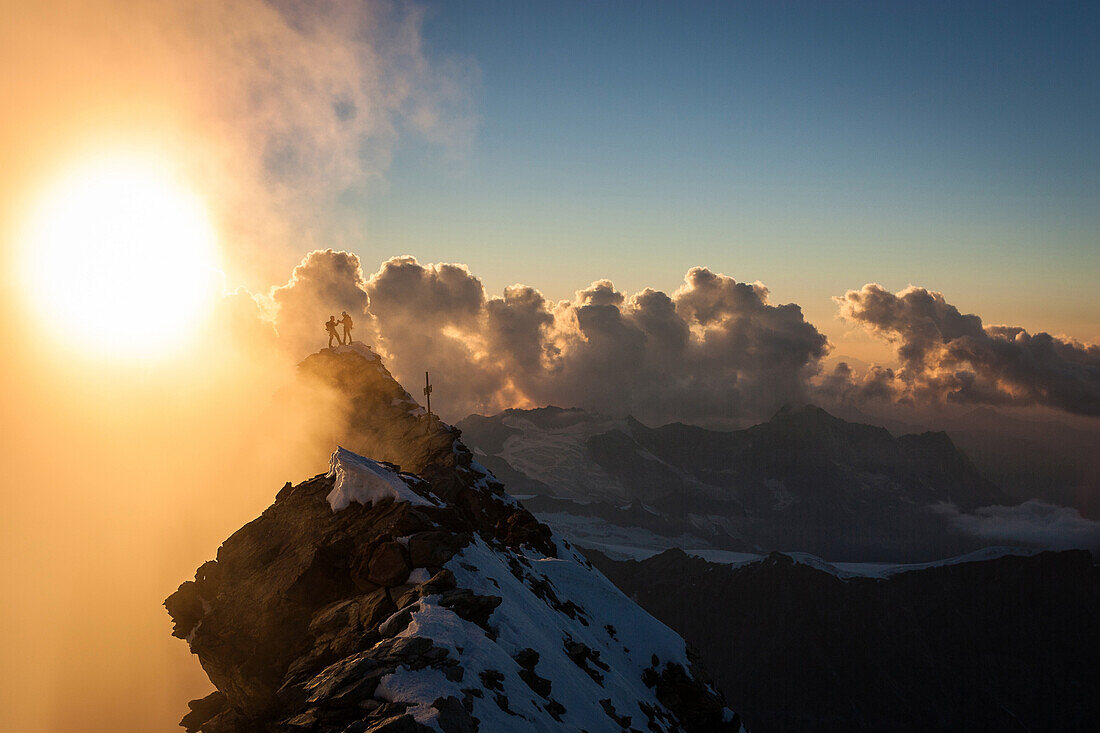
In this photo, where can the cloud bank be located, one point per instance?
(1032, 523)
(713, 349)
(948, 356)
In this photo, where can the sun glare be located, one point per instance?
(120, 258)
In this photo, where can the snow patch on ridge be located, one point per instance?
(624, 636)
(365, 481)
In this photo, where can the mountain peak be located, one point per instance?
(407, 592)
(382, 420)
(803, 412)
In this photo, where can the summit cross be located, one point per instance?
(428, 397)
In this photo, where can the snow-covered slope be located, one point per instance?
(549, 444)
(561, 627)
(372, 598)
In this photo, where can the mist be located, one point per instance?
(1030, 523)
(121, 477)
(119, 480)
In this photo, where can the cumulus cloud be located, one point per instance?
(713, 349)
(324, 283)
(1033, 523)
(948, 356)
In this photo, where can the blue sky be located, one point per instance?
(813, 146)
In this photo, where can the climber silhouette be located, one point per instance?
(330, 326)
(348, 324)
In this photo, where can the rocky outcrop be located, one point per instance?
(434, 603)
(380, 419)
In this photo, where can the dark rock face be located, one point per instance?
(282, 601)
(307, 611)
(389, 565)
(1009, 644)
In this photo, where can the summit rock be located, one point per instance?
(405, 590)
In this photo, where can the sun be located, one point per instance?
(120, 258)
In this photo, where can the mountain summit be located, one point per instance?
(406, 591)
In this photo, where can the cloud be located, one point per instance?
(1033, 523)
(304, 103)
(713, 349)
(324, 283)
(948, 356)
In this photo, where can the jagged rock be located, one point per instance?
(585, 657)
(303, 721)
(346, 682)
(474, 608)
(310, 619)
(555, 709)
(203, 710)
(397, 622)
(433, 548)
(441, 582)
(492, 679)
(623, 721)
(389, 565)
(700, 711)
(541, 686)
(397, 724)
(185, 608)
(526, 658)
(453, 717)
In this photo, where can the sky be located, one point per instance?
(812, 146)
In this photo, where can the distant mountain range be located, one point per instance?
(1003, 644)
(805, 480)
(1029, 457)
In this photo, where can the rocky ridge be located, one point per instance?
(411, 593)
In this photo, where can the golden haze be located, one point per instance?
(120, 476)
